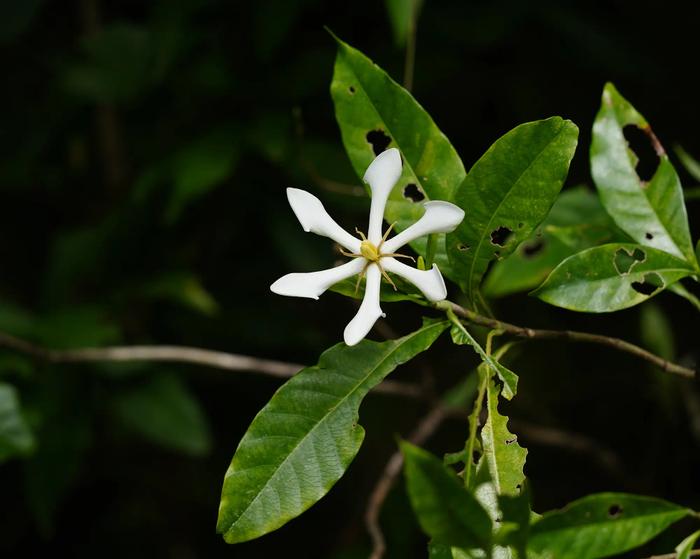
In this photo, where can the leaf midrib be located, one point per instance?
(498, 207)
(321, 420)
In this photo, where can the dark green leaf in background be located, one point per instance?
(652, 213)
(601, 525)
(447, 512)
(16, 438)
(304, 439)
(611, 277)
(374, 113)
(507, 194)
(164, 411)
(402, 16)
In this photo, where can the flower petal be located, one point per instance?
(369, 311)
(439, 217)
(312, 284)
(381, 175)
(430, 282)
(315, 219)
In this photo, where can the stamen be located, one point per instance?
(387, 278)
(350, 254)
(359, 277)
(397, 255)
(386, 234)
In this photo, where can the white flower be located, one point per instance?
(372, 256)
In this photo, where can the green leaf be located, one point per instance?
(200, 167)
(656, 331)
(371, 107)
(402, 15)
(304, 439)
(689, 163)
(16, 438)
(446, 511)
(576, 222)
(164, 411)
(652, 213)
(611, 277)
(601, 525)
(504, 456)
(507, 194)
(461, 336)
(180, 287)
(686, 546)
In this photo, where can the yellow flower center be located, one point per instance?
(369, 251)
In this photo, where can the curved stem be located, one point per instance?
(584, 337)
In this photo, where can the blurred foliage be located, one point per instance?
(145, 148)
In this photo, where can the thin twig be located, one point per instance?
(695, 553)
(423, 431)
(585, 337)
(182, 354)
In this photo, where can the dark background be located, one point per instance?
(144, 152)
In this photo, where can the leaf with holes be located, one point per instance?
(461, 336)
(504, 456)
(445, 509)
(611, 277)
(374, 113)
(601, 525)
(304, 439)
(652, 213)
(507, 194)
(16, 439)
(577, 222)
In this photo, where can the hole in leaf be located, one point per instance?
(624, 261)
(649, 236)
(351, 89)
(463, 247)
(614, 511)
(530, 250)
(643, 154)
(649, 285)
(378, 140)
(500, 236)
(413, 193)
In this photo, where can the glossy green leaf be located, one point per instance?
(652, 213)
(611, 277)
(164, 411)
(576, 222)
(601, 525)
(446, 511)
(304, 439)
(461, 336)
(507, 194)
(374, 113)
(684, 548)
(16, 438)
(504, 456)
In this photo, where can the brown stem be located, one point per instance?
(423, 431)
(585, 337)
(182, 354)
(695, 553)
